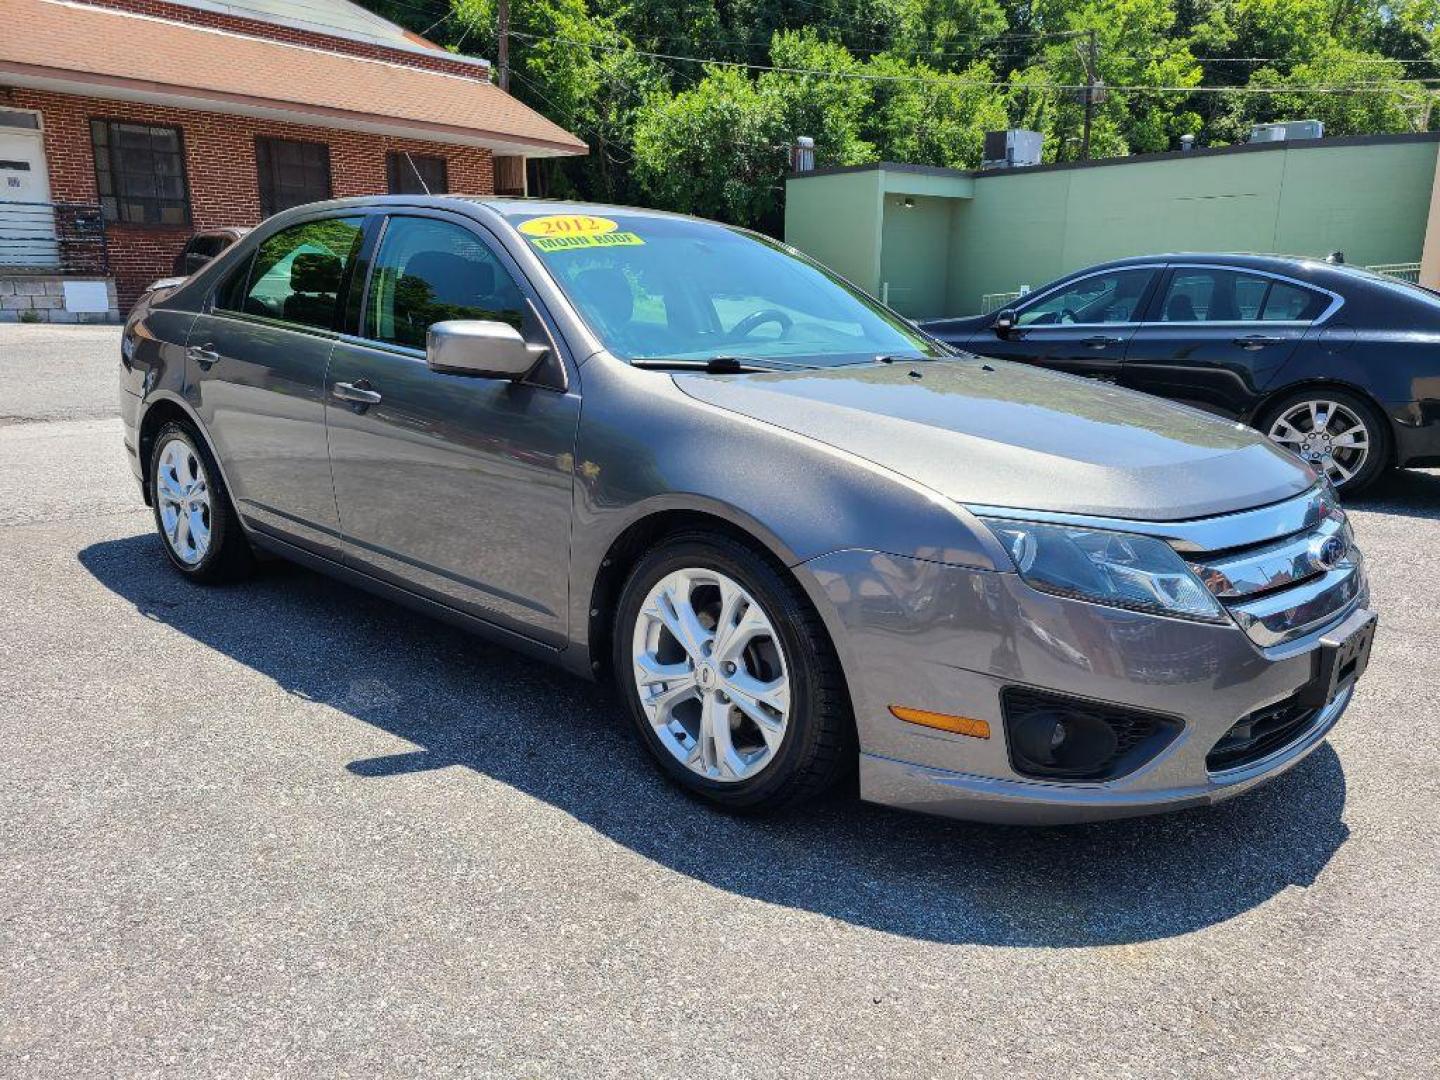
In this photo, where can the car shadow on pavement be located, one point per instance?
(1407, 492)
(464, 703)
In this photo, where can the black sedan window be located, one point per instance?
(1211, 294)
(1112, 297)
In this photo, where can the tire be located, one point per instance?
(816, 747)
(180, 462)
(1285, 421)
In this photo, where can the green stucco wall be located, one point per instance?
(1368, 199)
(837, 221)
(915, 253)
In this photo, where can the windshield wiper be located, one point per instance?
(718, 365)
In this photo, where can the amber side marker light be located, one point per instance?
(960, 725)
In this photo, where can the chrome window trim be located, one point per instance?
(1036, 327)
(1221, 533)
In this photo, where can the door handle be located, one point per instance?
(204, 355)
(1251, 342)
(358, 394)
(1100, 341)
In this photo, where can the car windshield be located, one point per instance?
(677, 289)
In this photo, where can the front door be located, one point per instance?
(1082, 327)
(27, 220)
(456, 487)
(255, 369)
(1217, 335)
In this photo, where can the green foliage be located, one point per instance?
(923, 80)
(716, 149)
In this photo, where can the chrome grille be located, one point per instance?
(1279, 589)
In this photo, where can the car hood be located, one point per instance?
(1000, 434)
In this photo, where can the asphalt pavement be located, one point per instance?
(284, 829)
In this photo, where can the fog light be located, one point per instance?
(1062, 743)
(1056, 737)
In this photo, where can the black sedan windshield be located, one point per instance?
(673, 288)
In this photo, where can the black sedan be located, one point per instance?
(1336, 363)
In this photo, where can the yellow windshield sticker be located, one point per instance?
(563, 232)
(567, 225)
(568, 243)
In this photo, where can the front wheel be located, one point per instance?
(1340, 434)
(730, 677)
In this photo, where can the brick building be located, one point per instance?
(127, 125)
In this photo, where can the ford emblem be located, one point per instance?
(1327, 553)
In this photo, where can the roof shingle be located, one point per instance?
(52, 44)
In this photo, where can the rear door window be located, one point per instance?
(1291, 303)
(1211, 294)
(295, 275)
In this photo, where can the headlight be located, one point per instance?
(1119, 569)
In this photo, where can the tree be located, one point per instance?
(1388, 102)
(928, 117)
(716, 149)
(646, 82)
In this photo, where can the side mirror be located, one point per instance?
(194, 261)
(484, 349)
(1005, 323)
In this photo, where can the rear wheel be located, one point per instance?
(1339, 433)
(730, 677)
(192, 509)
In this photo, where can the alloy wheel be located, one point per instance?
(711, 674)
(1327, 434)
(183, 493)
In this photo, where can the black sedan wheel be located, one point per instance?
(1338, 433)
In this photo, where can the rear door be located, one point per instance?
(255, 369)
(1215, 335)
(1082, 326)
(454, 486)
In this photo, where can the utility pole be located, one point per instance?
(1091, 59)
(503, 18)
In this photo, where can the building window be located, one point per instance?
(291, 173)
(140, 171)
(416, 174)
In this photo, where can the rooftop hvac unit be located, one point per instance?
(1285, 130)
(1013, 149)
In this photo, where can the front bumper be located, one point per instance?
(1416, 427)
(950, 639)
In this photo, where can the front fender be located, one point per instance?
(796, 496)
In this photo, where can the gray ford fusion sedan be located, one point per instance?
(801, 536)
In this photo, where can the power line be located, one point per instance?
(951, 80)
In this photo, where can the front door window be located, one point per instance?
(428, 271)
(1112, 297)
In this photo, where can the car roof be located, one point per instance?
(517, 207)
(1241, 259)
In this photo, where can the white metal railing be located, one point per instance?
(1404, 271)
(994, 301)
